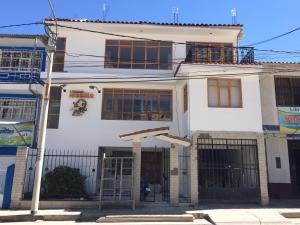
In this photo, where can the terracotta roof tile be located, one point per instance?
(147, 23)
(145, 131)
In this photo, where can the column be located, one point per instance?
(174, 175)
(194, 171)
(19, 177)
(137, 152)
(263, 175)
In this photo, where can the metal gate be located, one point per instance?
(228, 169)
(155, 175)
(116, 185)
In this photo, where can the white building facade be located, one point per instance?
(181, 101)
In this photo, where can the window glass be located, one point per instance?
(213, 96)
(216, 54)
(138, 55)
(128, 103)
(209, 52)
(139, 103)
(112, 53)
(152, 103)
(224, 97)
(165, 58)
(17, 109)
(54, 107)
(118, 103)
(136, 104)
(108, 102)
(236, 96)
(224, 93)
(59, 55)
(165, 103)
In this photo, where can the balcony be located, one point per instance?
(21, 64)
(219, 54)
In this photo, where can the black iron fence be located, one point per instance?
(67, 174)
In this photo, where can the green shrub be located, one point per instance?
(63, 182)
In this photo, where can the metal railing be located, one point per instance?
(219, 54)
(57, 183)
(21, 60)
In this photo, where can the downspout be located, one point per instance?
(38, 97)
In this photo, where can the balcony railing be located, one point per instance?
(219, 54)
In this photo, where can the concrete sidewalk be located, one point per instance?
(219, 216)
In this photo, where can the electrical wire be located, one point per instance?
(21, 24)
(273, 38)
(157, 79)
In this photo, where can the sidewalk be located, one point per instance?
(204, 215)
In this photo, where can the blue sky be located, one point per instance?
(261, 18)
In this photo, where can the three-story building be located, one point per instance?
(180, 102)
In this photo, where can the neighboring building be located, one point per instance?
(22, 59)
(280, 89)
(186, 108)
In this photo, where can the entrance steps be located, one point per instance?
(184, 218)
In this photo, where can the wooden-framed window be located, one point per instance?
(54, 108)
(59, 55)
(185, 98)
(133, 104)
(287, 91)
(209, 52)
(130, 54)
(224, 93)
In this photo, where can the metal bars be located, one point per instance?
(12, 109)
(116, 182)
(228, 169)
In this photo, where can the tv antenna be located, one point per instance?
(175, 12)
(105, 10)
(234, 16)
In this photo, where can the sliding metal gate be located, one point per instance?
(228, 169)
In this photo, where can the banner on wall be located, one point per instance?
(289, 119)
(20, 134)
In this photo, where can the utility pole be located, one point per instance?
(42, 134)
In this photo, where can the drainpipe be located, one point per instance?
(37, 95)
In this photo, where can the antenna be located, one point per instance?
(105, 9)
(234, 16)
(175, 12)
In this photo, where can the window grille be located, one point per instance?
(20, 61)
(17, 109)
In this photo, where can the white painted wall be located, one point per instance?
(90, 132)
(78, 42)
(277, 147)
(247, 118)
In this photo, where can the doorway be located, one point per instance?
(155, 175)
(228, 170)
(294, 158)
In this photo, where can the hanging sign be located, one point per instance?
(289, 119)
(20, 134)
